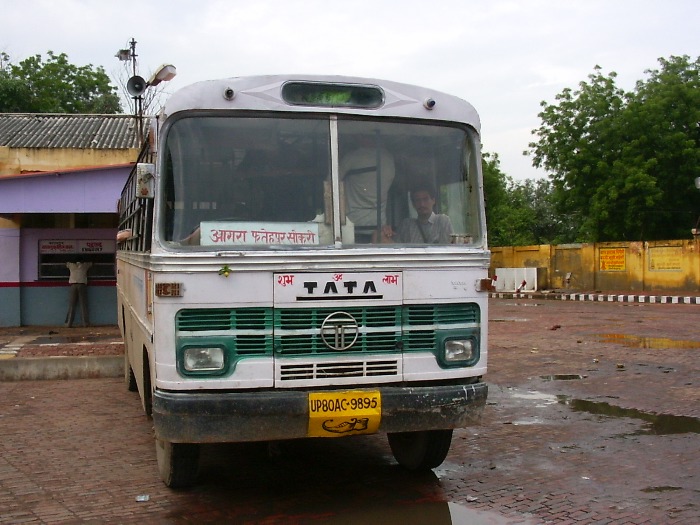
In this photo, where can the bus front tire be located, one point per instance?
(178, 463)
(420, 451)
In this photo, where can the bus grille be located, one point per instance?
(334, 370)
(224, 319)
(420, 322)
(296, 332)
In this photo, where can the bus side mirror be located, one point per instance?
(145, 178)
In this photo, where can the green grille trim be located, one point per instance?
(296, 331)
(220, 319)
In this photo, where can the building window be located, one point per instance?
(55, 253)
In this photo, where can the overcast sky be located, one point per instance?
(502, 56)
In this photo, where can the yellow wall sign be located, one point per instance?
(613, 260)
(666, 258)
(338, 414)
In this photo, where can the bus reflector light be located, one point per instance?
(485, 285)
(199, 359)
(168, 289)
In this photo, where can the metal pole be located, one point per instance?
(138, 101)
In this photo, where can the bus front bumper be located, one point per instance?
(210, 417)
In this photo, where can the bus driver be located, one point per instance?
(428, 227)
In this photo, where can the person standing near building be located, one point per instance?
(78, 291)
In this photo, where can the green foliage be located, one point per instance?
(55, 86)
(624, 163)
(520, 213)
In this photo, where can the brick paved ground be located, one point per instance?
(38, 341)
(81, 451)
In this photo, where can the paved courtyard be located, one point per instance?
(593, 417)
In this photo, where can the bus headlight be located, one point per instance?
(203, 359)
(459, 350)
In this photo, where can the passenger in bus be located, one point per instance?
(367, 173)
(429, 227)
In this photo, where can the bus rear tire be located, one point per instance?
(420, 451)
(178, 463)
(129, 377)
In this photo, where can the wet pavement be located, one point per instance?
(593, 417)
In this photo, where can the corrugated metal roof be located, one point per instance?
(43, 130)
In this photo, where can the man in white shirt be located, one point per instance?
(78, 291)
(428, 227)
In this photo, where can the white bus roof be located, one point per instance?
(264, 93)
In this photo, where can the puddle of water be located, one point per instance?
(562, 377)
(522, 304)
(461, 515)
(665, 488)
(657, 424)
(541, 399)
(525, 422)
(434, 513)
(70, 339)
(428, 512)
(635, 341)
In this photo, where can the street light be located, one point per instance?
(164, 73)
(136, 86)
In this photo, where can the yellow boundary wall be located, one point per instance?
(655, 266)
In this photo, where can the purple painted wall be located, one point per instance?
(77, 191)
(23, 299)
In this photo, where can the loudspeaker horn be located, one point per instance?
(136, 86)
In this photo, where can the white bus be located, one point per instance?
(305, 256)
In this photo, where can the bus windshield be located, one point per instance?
(260, 182)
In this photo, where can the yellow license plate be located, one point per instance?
(337, 414)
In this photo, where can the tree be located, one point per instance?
(538, 219)
(55, 86)
(496, 197)
(520, 213)
(624, 163)
(13, 91)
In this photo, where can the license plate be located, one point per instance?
(337, 414)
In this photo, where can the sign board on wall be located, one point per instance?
(72, 246)
(666, 259)
(55, 253)
(612, 260)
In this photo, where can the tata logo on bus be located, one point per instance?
(337, 286)
(340, 290)
(339, 331)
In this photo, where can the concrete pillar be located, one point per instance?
(9, 271)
